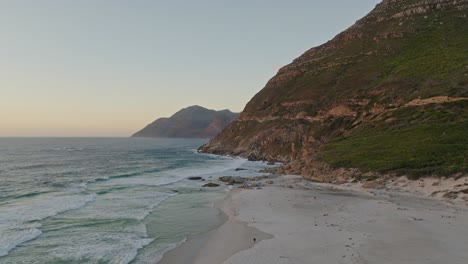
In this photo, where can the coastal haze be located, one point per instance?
(107, 68)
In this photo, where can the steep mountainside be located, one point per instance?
(190, 122)
(389, 94)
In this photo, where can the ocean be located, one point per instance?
(106, 200)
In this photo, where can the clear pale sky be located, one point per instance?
(109, 67)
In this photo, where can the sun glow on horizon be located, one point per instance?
(101, 68)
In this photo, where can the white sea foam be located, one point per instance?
(219, 166)
(87, 238)
(116, 243)
(172, 176)
(13, 235)
(72, 225)
(66, 149)
(108, 229)
(122, 204)
(216, 168)
(17, 219)
(148, 181)
(115, 247)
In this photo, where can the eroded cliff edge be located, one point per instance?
(387, 95)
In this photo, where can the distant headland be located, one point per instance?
(191, 122)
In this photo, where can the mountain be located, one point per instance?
(191, 122)
(387, 95)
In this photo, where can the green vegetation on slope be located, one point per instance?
(402, 51)
(428, 59)
(412, 140)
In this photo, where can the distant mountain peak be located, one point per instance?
(191, 122)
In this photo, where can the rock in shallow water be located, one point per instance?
(211, 184)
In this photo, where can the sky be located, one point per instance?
(98, 68)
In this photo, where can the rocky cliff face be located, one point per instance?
(190, 122)
(353, 102)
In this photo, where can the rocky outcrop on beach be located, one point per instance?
(191, 122)
(232, 179)
(387, 95)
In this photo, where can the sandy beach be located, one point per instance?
(296, 221)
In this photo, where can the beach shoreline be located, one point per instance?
(210, 247)
(296, 221)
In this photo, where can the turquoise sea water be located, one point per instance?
(104, 200)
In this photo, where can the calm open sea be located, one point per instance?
(105, 200)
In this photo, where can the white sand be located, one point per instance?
(219, 244)
(434, 187)
(230, 238)
(316, 224)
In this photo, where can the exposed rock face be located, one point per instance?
(361, 80)
(190, 122)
